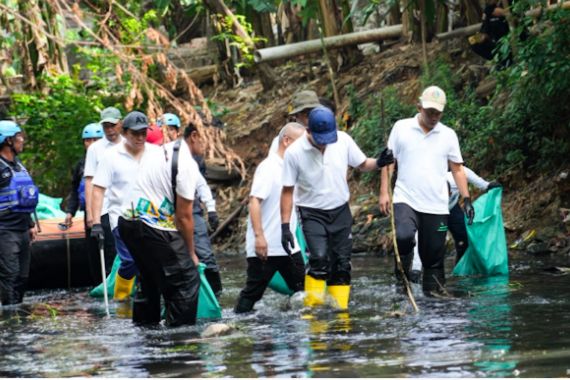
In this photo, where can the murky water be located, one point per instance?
(498, 327)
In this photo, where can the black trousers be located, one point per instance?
(328, 234)
(15, 258)
(432, 230)
(92, 249)
(259, 274)
(458, 231)
(165, 269)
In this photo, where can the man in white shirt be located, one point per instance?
(114, 179)
(315, 166)
(424, 148)
(111, 122)
(265, 255)
(159, 233)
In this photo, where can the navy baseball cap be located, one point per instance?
(322, 125)
(136, 121)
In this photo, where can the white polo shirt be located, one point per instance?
(117, 173)
(267, 186)
(320, 179)
(95, 154)
(422, 164)
(152, 194)
(205, 194)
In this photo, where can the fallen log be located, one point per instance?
(314, 46)
(202, 74)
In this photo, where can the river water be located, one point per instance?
(516, 326)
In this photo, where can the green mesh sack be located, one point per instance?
(277, 282)
(487, 250)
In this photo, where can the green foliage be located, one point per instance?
(241, 44)
(374, 118)
(53, 125)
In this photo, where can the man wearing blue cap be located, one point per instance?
(315, 166)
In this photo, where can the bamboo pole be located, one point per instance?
(314, 46)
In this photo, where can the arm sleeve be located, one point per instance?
(90, 162)
(187, 178)
(73, 198)
(261, 184)
(290, 172)
(474, 179)
(104, 173)
(355, 155)
(205, 194)
(454, 152)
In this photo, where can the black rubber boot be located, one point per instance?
(434, 282)
(244, 305)
(215, 281)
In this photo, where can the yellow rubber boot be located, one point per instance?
(340, 293)
(123, 288)
(315, 291)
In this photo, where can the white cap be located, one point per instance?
(433, 97)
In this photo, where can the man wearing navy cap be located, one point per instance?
(315, 166)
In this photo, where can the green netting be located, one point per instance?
(487, 251)
(277, 283)
(208, 306)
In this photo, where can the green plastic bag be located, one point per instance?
(49, 208)
(208, 306)
(97, 292)
(277, 283)
(487, 251)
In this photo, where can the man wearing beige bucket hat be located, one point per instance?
(424, 148)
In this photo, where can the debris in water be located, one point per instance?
(217, 329)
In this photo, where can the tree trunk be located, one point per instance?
(395, 14)
(261, 23)
(471, 11)
(411, 25)
(331, 21)
(265, 72)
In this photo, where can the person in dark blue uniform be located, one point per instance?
(76, 198)
(18, 199)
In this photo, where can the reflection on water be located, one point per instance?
(497, 326)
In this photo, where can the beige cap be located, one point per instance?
(303, 100)
(433, 97)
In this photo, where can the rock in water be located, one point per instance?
(216, 329)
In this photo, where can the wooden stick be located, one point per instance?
(229, 219)
(396, 251)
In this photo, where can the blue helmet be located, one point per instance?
(92, 131)
(169, 119)
(8, 129)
